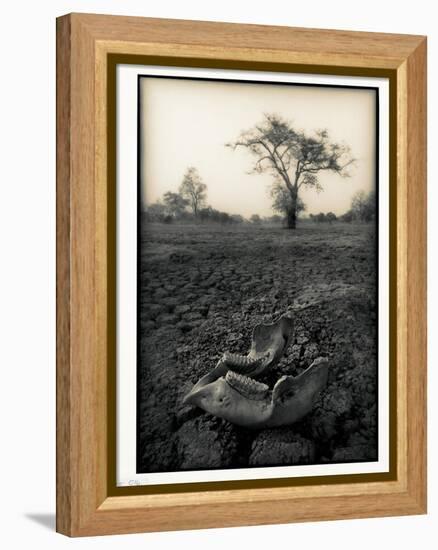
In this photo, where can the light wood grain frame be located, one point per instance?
(87, 47)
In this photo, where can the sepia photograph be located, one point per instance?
(241, 275)
(257, 274)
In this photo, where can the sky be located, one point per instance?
(188, 122)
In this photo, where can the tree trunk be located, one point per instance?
(292, 212)
(291, 218)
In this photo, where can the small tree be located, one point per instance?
(363, 206)
(237, 218)
(294, 158)
(255, 218)
(330, 217)
(348, 217)
(156, 212)
(369, 212)
(358, 204)
(193, 190)
(224, 217)
(175, 204)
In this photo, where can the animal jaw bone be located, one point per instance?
(269, 343)
(250, 404)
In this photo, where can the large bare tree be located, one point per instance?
(293, 157)
(193, 189)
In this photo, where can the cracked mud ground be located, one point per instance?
(202, 290)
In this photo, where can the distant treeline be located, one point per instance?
(363, 209)
(189, 205)
(159, 212)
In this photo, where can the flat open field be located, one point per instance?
(202, 290)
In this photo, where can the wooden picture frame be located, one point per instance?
(88, 49)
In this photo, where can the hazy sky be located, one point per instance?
(187, 123)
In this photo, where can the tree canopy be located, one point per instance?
(293, 157)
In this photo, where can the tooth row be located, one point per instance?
(242, 363)
(247, 386)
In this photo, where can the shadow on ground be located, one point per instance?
(45, 520)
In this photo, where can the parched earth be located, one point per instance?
(202, 290)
